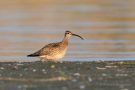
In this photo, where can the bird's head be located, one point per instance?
(68, 34)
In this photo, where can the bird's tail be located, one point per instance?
(33, 55)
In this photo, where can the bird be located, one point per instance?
(54, 51)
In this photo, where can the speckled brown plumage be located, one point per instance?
(54, 51)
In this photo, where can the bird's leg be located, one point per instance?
(42, 60)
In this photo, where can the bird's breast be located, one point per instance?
(56, 55)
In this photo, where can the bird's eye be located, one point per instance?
(68, 33)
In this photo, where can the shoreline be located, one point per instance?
(67, 75)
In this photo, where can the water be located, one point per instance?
(108, 27)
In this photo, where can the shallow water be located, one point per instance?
(107, 26)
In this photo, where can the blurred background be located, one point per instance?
(108, 27)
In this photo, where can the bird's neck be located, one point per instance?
(65, 40)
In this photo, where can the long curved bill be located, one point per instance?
(78, 36)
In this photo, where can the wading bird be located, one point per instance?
(54, 51)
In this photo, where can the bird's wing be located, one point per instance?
(46, 50)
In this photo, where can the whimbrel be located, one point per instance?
(54, 51)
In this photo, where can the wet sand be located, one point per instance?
(67, 75)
